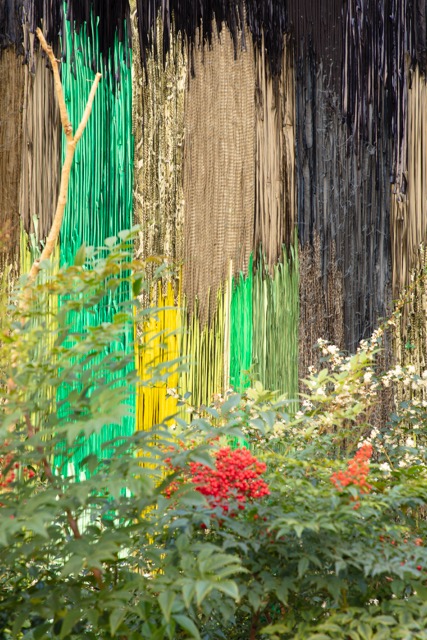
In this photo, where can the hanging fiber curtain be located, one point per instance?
(100, 187)
(250, 119)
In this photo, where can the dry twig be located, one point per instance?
(72, 141)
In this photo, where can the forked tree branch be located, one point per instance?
(72, 141)
(52, 238)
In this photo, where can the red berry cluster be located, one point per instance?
(9, 468)
(236, 476)
(357, 471)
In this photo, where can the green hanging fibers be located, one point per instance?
(264, 327)
(275, 325)
(100, 189)
(241, 330)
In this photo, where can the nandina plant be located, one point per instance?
(357, 471)
(236, 476)
(337, 547)
(234, 480)
(309, 556)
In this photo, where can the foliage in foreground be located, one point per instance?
(318, 532)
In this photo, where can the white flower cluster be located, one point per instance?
(406, 376)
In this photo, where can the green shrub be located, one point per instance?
(166, 534)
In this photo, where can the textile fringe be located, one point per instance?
(275, 156)
(161, 339)
(410, 339)
(11, 98)
(264, 326)
(275, 324)
(409, 209)
(41, 151)
(219, 167)
(203, 348)
(202, 21)
(158, 125)
(241, 329)
(101, 180)
(343, 196)
(321, 305)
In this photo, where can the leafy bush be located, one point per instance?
(317, 532)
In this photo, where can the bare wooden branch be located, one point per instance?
(88, 109)
(71, 147)
(65, 120)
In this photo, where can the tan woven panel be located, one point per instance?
(41, 156)
(275, 156)
(409, 210)
(219, 168)
(11, 93)
(158, 123)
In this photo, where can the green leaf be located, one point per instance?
(41, 632)
(137, 286)
(303, 566)
(73, 616)
(80, 257)
(232, 402)
(364, 630)
(230, 588)
(116, 618)
(203, 587)
(386, 620)
(382, 634)
(73, 565)
(283, 589)
(188, 591)
(254, 599)
(188, 625)
(275, 628)
(166, 600)
(19, 622)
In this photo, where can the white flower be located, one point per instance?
(278, 429)
(363, 442)
(332, 349)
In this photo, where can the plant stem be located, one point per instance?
(254, 626)
(72, 522)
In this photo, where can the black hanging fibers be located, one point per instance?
(266, 18)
